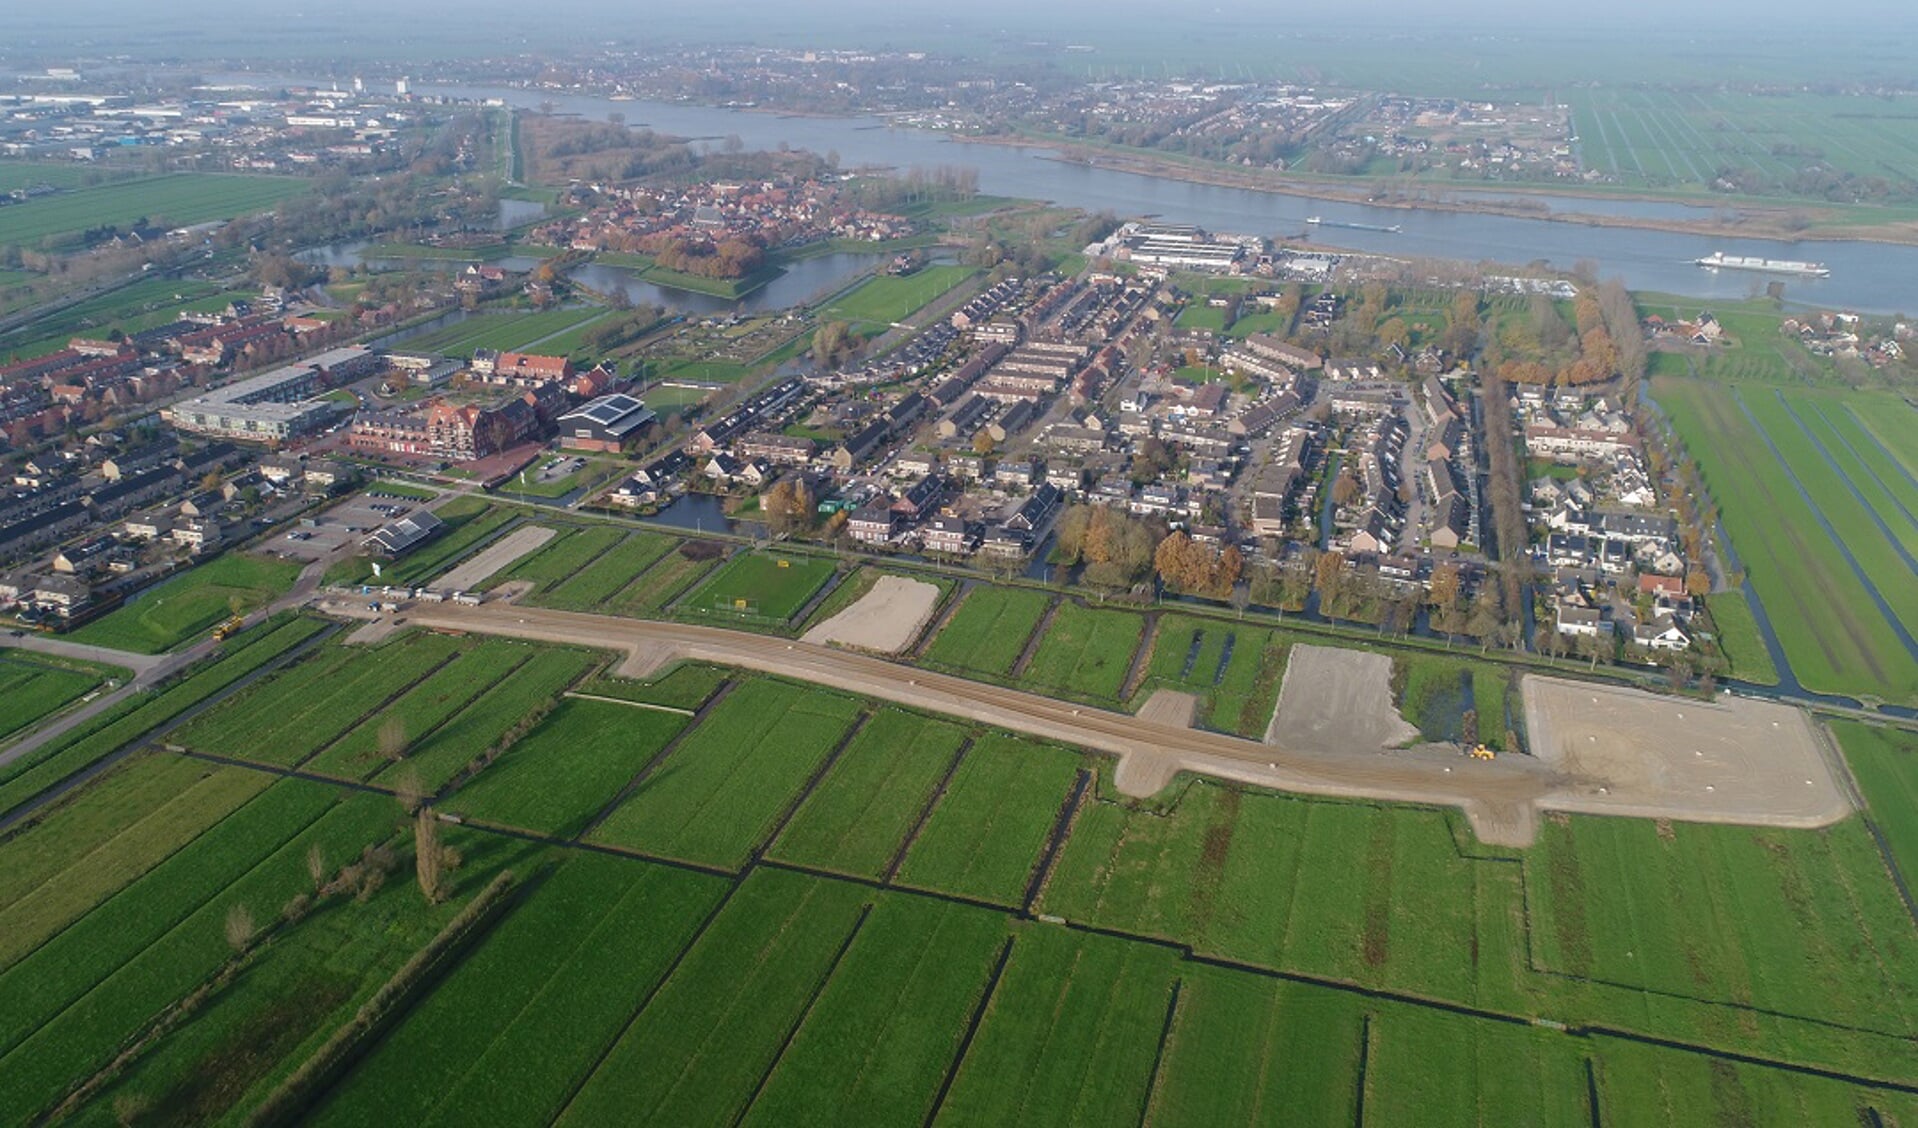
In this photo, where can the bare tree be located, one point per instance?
(428, 858)
(392, 737)
(409, 791)
(240, 928)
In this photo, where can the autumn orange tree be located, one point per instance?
(1187, 565)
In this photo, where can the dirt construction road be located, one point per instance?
(1501, 798)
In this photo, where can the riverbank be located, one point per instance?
(1781, 221)
(644, 266)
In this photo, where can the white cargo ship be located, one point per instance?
(1719, 260)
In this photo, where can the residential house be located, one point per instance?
(953, 536)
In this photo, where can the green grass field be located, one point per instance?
(113, 835)
(1371, 894)
(1698, 917)
(882, 300)
(1072, 1034)
(699, 1049)
(862, 811)
(34, 687)
(717, 796)
(245, 1038)
(115, 728)
(404, 721)
(1237, 688)
(75, 999)
(1199, 315)
(559, 776)
(563, 557)
(876, 1044)
(176, 200)
(437, 756)
(1840, 641)
(686, 686)
(186, 606)
(1856, 504)
(1246, 1050)
(1739, 638)
(1085, 654)
(655, 589)
(303, 708)
(1684, 140)
(989, 630)
(616, 988)
(601, 578)
(764, 587)
(1885, 763)
(775, 990)
(987, 830)
(505, 332)
(1439, 691)
(27, 174)
(525, 1018)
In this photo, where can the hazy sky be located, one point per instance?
(1838, 18)
(1659, 40)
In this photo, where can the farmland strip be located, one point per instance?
(932, 800)
(1158, 1056)
(1884, 608)
(972, 1031)
(699, 717)
(805, 1012)
(819, 773)
(1059, 829)
(1039, 629)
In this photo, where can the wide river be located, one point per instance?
(1871, 277)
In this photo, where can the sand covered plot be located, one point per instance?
(886, 619)
(1629, 752)
(498, 556)
(1335, 701)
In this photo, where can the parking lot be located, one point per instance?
(345, 523)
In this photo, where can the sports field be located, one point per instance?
(186, 606)
(1815, 502)
(796, 906)
(885, 299)
(506, 332)
(764, 587)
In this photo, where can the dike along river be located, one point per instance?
(1870, 277)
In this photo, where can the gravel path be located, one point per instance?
(501, 554)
